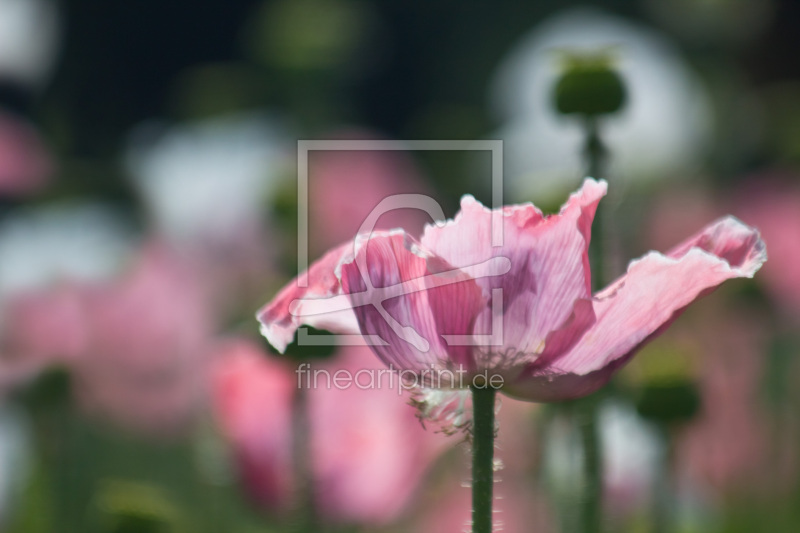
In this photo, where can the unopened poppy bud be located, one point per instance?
(589, 85)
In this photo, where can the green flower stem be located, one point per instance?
(664, 486)
(594, 149)
(604, 247)
(305, 516)
(483, 431)
(591, 516)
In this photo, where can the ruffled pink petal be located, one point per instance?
(549, 264)
(638, 306)
(732, 241)
(314, 305)
(413, 299)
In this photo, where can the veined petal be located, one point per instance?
(313, 305)
(638, 306)
(410, 298)
(548, 257)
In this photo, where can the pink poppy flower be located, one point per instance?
(136, 347)
(523, 310)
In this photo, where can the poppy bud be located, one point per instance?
(589, 85)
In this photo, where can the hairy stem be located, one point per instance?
(483, 431)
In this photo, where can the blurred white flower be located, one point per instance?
(631, 449)
(51, 244)
(208, 178)
(28, 38)
(632, 454)
(661, 132)
(562, 460)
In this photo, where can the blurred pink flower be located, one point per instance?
(368, 450)
(558, 341)
(346, 185)
(137, 347)
(52, 254)
(251, 398)
(677, 212)
(772, 204)
(146, 361)
(727, 446)
(238, 269)
(25, 165)
(206, 186)
(45, 326)
(372, 470)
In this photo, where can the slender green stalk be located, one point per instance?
(305, 516)
(483, 431)
(607, 255)
(664, 487)
(594, 149)
(604, 247)
(592, 501)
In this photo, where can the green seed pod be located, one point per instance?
(590, 86)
